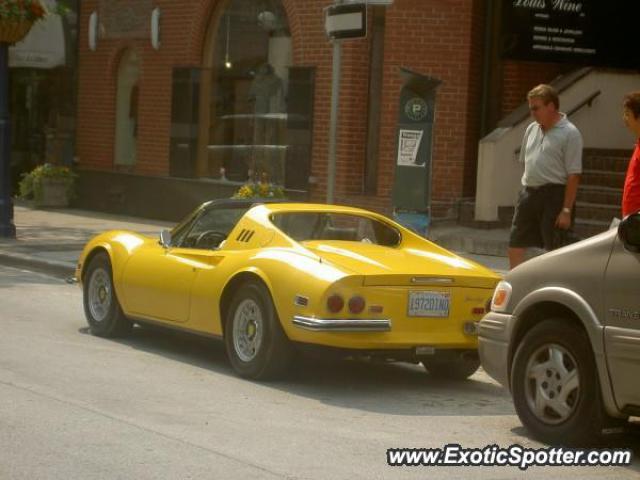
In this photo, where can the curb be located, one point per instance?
(56, 268)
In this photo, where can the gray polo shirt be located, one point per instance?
(551, 156)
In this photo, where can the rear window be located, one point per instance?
(304, 226)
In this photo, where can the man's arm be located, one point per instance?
(564, 217)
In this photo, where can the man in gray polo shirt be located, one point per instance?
(552, 155)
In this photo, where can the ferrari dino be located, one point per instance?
(270, 277)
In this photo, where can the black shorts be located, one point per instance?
(535, 217)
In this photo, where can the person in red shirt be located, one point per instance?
(631, 192)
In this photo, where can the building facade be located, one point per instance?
(231, 90)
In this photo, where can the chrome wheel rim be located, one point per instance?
(552, 384)
(100, 294)
(248, 330)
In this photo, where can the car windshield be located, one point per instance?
(304, 226)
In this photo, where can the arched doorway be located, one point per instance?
(125, 151)
(244, 92)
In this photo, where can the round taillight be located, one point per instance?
(356, 304)
(335, 303)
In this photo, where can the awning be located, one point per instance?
(43, 47)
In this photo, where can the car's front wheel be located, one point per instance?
(101, 307)
(256, 345)
(452, 366)
(555, 387)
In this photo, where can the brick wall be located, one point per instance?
(98, 80)
(520, 77)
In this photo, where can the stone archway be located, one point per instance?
(127, 92)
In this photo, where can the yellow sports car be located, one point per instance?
(273, 276)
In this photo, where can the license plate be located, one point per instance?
(429, 304)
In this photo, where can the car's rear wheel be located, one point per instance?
(101, 307)
(555, 387)
(453, 367)
(256, 345)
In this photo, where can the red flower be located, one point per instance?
(37, 10)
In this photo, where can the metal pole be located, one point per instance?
(7, 228)
(333, 120)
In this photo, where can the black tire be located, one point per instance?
(560, 350)
(256, 345)
(101, 307)
(452, 367)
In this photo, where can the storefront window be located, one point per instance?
(42, 90)
(252, 53)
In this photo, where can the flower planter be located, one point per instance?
(12, 31)
(55, 193)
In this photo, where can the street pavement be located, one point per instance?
(51, 240)
(162, 405)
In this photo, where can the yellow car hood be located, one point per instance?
(387, 266)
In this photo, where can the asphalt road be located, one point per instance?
(162, 405)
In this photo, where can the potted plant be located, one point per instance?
(17, 18)
(49, 185)
(259, 189)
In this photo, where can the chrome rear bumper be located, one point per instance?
(342, 324)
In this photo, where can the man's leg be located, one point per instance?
(516, 256)
(552, 236)
(525, 231)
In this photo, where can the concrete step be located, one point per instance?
(600, 178)
(602, 195)
(606, 160)
(586, 228)
(597, 211)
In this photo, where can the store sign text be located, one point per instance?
(556, 5)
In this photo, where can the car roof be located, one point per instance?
(277, 205)
(238, 202)
(317, 207)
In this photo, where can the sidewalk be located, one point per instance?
(51, 240)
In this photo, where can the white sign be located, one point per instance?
(43, 47)
(346, 21)
(408, 146)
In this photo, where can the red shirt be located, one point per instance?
(631, 194)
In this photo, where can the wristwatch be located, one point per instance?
(566, 210)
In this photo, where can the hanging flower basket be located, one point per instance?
(12, 31)
(17, 18)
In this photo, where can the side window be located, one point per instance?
(299, 226)
(331, 226)
(212, 228)
(179, 231)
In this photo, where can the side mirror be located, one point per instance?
(165, 238)
(629, 232)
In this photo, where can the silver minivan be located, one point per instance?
(563, 335)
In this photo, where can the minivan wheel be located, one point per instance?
(555, 387)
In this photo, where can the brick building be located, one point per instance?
(160, 126)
